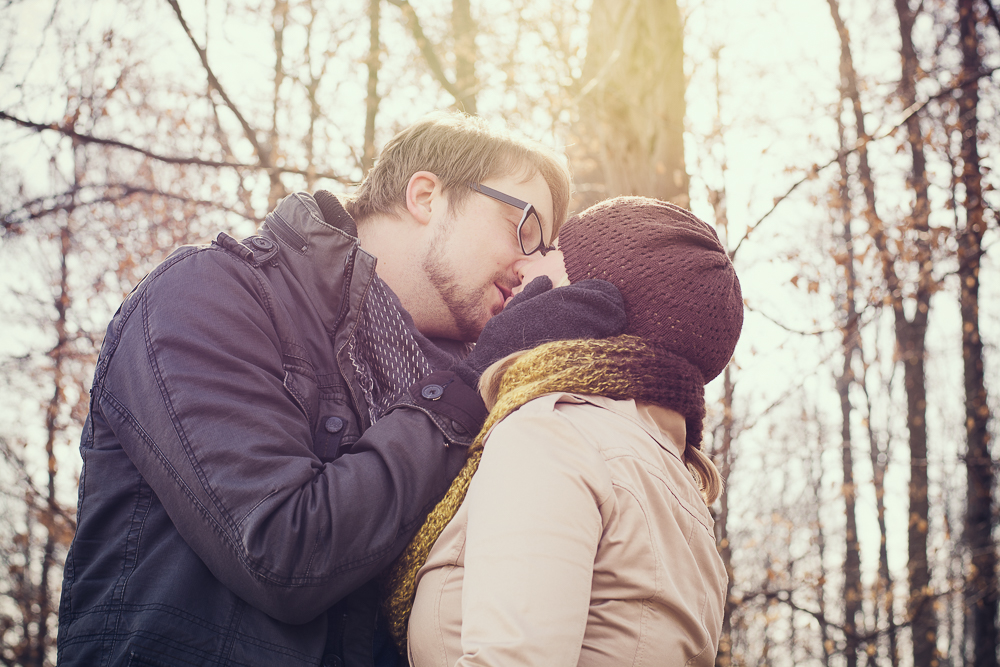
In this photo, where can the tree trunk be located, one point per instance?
(629, 139)
(849, 90)
(884, 593)
(910, 334)
(724, 657)
(816, 475)
(723, 454)
(851, 342)
(372, 100)
(279, 18)
(464, 30)
(910, 338)
(981, 588)
(46, 606)
(311, 82)
(920, 605)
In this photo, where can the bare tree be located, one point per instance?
(629, 136)
(724, 454)
(910, 331)
(911, 334)
(981, 596)
(462, 86)
(845, 382)
(883, 593)
(372, 98)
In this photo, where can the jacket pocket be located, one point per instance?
(286, 233)
(304, 392)
(339, 425)
(337, 429)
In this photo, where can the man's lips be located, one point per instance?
(505, 294)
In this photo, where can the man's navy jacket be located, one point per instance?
(234, 496)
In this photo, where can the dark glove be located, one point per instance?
(539, 314)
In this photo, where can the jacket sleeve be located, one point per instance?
(534, 524)
(195, 392)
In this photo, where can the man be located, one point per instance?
(270, 420)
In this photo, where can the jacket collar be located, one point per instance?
(312, 250)
(664, 425)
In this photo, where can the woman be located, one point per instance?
(585, 536)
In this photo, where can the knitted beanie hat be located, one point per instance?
(680, 288)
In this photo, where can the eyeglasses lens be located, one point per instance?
(531, 234)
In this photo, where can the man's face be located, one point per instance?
(475, 261)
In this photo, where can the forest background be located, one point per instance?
(845, 150)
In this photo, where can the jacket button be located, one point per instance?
(432, 392)
(334, 424)
(261, 243)
(458, 428)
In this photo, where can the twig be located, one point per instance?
(68, 131)
(992, 11)
(861, 143)
(41, 207)
(427, 49)
(817, 332)
(263, 153)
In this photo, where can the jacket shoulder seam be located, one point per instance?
(141, 432)
(181, 434)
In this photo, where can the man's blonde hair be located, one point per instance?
(459, 149)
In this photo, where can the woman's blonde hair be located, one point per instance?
(705, 474)
(489, 381)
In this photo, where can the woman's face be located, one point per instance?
(551, 265)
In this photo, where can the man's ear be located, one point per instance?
(422, 193)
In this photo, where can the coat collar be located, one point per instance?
(315, 249)
(664, 425)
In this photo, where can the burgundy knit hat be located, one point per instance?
(680, 288)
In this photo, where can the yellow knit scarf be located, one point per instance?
(619, 368)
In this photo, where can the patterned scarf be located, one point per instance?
(620, 368)
(386, 356)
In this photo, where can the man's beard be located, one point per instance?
(466, 304)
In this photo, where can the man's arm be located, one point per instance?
(195, 392)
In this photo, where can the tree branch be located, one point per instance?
(33, 494)
(992, 11)
(262, 152)
(427, 49)
(68, 131)
(816, 332)
(862, 142)
(113, 192)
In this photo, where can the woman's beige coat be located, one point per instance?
(583, 540)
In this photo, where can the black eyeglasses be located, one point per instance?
(529, 234)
